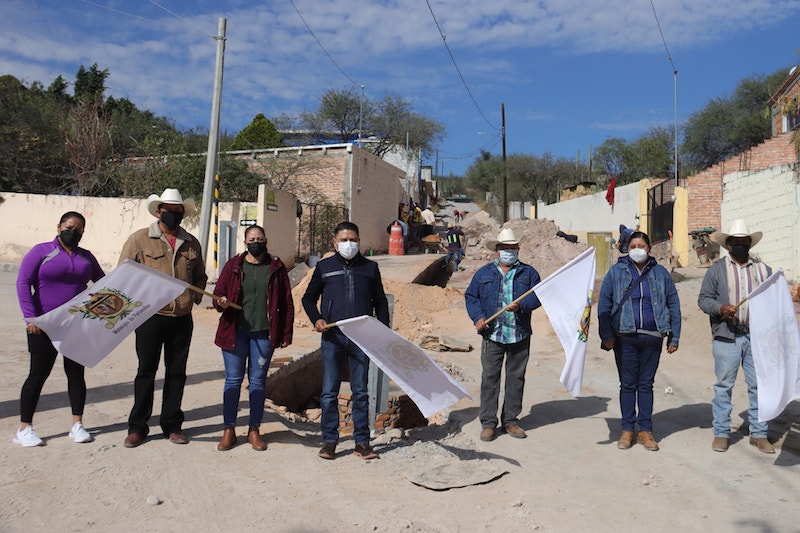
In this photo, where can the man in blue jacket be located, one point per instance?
(494, 287)
(350, 285)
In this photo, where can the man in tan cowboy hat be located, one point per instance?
(167, 247)
(494, 287)
(726, 283)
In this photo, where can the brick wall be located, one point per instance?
(401, 412)
(705, 188)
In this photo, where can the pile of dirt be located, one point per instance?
(539, 247)
(414, 305)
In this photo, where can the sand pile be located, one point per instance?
(540, 246)
(414, 305)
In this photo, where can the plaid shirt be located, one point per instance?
(506, 325)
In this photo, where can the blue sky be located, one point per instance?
(571, 73)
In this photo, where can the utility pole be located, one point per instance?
(505, 166)
(360, 113)
(213, 141)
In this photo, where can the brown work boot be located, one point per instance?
(487, 434)
(228, 439)
(328, 450)
(720, 444)
(515, 431)
(648, 441)
(254, 438)
(762, 444)
(364, 451)
(625, 441)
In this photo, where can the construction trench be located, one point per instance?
(297, 384)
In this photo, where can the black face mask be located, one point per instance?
(171, 219)
(70, 237)
(740, 251)
(257, 249)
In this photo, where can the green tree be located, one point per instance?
(729, 125)
(260, 133)
(32, 157)
(394, 121)
(649, 156)
(483, 172)
(343, 114)
(91, 83)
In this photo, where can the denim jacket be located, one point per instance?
(484, 296)
(664, 295)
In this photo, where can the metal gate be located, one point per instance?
(315, 227)
(659, 209)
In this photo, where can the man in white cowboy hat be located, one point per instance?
(494, 287)
(726, 283)
(167, 247)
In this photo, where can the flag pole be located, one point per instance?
(213, 296)
(503, 310)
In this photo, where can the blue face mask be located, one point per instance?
(508, 257)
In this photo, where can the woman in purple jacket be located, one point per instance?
(259, 283)
(51, 274)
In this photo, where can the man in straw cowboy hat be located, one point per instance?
(505, 325)
(167, 247)
(723, 297)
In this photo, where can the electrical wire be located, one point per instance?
(486, 147)
(320, 44)
(119, 11)
(179, 17)
(455, 64)
(663, 40)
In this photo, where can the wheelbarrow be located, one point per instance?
(432, 244)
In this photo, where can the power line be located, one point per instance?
(179, 17)
(120, 12)
(455, 64)
(320, 44)
(486, 147)
(663, 40)
(675, 82)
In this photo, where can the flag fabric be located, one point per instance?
(429, 387)
(775, 341)
(89, 326)
(610, 191)
(566, 296)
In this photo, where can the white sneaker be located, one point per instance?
(79, 433)
(27, 437)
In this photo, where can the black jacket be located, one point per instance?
(348, 289)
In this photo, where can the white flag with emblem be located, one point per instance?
(775, 341)
(429, 387)
(566, 296)
(90, 325)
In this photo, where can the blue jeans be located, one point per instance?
(335, 348)
(728, 355)
(255, 347)
(637, 357)
(456, 256)
(516, 358)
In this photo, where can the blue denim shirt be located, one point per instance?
(484, 297)
(663, 294)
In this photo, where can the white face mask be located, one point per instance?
(638, 255)
(509, 257)
(348, 249)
